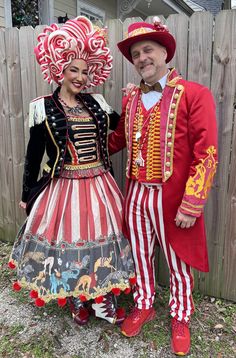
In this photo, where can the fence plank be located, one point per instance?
(114, 83)
(129, 73)
(113, 92)
(199, 67)
(28, 80)
(178, 26)
(200, 48)
(223, 78)
(229, 267)
(225, 53)
(15, 108)
(7, 220)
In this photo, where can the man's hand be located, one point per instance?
(184, 221)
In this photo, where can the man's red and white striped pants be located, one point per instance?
(145, 222)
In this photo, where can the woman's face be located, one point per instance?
(75, 76)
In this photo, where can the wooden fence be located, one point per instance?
(206, 53)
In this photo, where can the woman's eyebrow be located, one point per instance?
(74, 67)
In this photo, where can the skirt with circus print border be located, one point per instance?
(72, 243)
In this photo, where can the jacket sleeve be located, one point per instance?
(114, 118)
(117, 139)
(202, 131)
(33, 159)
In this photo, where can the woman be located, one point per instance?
(71, 245)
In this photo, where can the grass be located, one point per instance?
(213, 326)
(11, 344)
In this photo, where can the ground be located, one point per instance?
(31, 332)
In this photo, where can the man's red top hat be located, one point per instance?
(141, 31)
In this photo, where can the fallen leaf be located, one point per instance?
(153, 345)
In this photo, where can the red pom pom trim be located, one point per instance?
(61, 302)
(11, 265)
(132, 280)
(39, 302)
(98, 299)
(120, 312)
(116, 291)
(127, 290)
(16, 286)
(82, 298)
(33, 294)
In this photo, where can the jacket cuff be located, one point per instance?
(24, 196)
(187, 208)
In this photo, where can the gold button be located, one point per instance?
(176, 96)
(168, 154)
(170, 125)
(173, 105)
(169, 135)
(179, 87)
(133, 93)
(168, 164)
(167, 174)
(169, 144)
(172, 115)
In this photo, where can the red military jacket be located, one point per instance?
(188, 141)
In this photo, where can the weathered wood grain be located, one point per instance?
(16, 116)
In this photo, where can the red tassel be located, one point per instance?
(132, 280)
(127, 290)
(82, 298)
(16, 286)
(11, 265)
(98, 299)
(33, 294)
(61, 302)
(116, 291)
(39, 302)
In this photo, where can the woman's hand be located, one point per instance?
(22, 205)
(129, 88)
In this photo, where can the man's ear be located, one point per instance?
(165, 53)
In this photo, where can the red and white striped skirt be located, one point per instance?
(71, 210)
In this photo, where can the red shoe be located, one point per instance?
(180, 341)
(79, 312)
(134, 322)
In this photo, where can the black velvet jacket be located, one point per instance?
(52, 135)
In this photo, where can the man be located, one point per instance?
(171, 135)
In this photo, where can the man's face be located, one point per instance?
(149, 59)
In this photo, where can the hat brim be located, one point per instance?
(164, 39)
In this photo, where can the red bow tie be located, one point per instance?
(145, 88)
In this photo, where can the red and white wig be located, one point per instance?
(76, 39)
